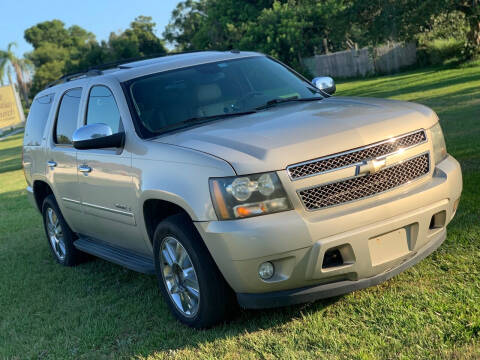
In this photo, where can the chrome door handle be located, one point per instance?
(51, 164)
(84, 168)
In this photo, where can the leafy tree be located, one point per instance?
(56, 50)
(212, 24)
(287, 29)
(53, 32)
(293, 30)
(59, 50)
(188, 18)
(139, 40)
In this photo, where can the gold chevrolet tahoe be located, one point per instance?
(236, 180)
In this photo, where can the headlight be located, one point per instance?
(439, 147)
(245, 196)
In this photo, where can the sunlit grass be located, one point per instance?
(100, 310)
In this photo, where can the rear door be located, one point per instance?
(106, 181)
(61, 164)
(34, 159)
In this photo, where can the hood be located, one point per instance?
(272, 139)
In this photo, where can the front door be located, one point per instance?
(106, 181)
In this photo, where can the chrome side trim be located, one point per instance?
(114, 211)
(71, 201)
(373, 195)
(353, 151)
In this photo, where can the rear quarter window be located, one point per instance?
(37, 119)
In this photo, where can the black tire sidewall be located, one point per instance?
(71, 253)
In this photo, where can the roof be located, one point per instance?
(145, 67)
(126, 71)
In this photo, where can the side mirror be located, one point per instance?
(97, 136)
(326, 84)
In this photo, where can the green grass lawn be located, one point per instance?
(100, 310)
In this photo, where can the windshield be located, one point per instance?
(172, 99)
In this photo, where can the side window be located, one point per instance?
(102, 108)
(37, 119)
(67, 116)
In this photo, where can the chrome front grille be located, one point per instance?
(365, 186)
(355, 156)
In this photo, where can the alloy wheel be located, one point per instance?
(179, 276)
(55, 234)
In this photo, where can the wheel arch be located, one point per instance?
(41, 189)
(155, 209)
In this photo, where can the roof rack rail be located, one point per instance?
(98, 69)
(118, 63)
(74, 76)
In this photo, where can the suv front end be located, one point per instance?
(341, 222)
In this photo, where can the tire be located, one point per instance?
(60, 240)
(175, 239)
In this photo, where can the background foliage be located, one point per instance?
(444, 30)
(58, 50)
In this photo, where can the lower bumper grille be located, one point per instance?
(361, 187)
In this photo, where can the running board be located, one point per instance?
(116, 255)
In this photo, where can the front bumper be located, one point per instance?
(317, 292)
(296, 242)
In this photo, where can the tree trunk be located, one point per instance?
(21, 83)
(474, 35)
(9, 76)
(325, 45)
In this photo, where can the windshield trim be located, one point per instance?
(146, 134)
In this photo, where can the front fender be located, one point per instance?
(180, 176)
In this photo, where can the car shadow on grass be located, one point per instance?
(10, 159)
(166, 334)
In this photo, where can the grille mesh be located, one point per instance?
(353, 157)
(364, 186)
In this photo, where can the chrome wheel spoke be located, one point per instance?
(192, 291)
(174, 289)
(192, 300)
(61, 247)
(179, 276)
(49, 215)
(171, 249)
(166, 257)
(55, 233)
(50, 228)
(57, 248)
(182, 256)
(185, 302)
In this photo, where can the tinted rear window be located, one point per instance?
(67, 116)
(37, 119)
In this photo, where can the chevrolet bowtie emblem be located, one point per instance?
(370, 166)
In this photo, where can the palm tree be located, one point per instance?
(20, 66)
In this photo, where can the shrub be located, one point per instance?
(440, 51)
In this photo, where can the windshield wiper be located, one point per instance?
(201, 119)
(277, 101)
(218, 116)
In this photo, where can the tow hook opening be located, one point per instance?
(438, 220)
(332, 258)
